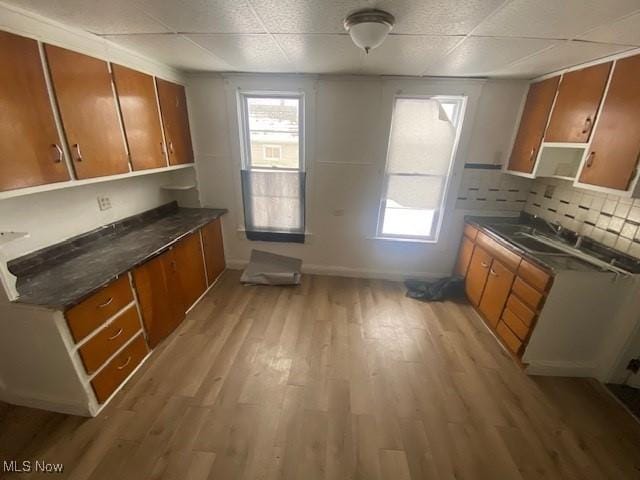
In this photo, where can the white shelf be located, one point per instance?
(78, 183)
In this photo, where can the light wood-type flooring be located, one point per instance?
(336, 379)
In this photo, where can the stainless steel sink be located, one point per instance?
(530, 243)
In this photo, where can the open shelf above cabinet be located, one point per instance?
(560, 161)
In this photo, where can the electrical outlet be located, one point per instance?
(104, 203)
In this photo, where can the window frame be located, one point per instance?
(245, 132)
(275, 148)
(459, 114)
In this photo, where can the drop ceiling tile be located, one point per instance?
(426, 17)
(478, 56)
(96, 16)
(563, 55)
(245, 53)
(407, 54)
(321, 53)
(625, 31)
(204, 16)
(559, 19)
(174, 50)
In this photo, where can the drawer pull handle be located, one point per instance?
(125, 363)
(115, 335)
(532, 156)
(590, 159)
(484, 265)
(587, 125)
(106, 304)
(76, 146)
(493, 272)
(171, 150)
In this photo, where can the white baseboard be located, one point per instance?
(338, 271)
(561, 369)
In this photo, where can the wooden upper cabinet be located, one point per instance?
(89, 113)
(495, 293)
(615, 147)
(189, 270)
(532, 125)
(161, 304)
(30, 150)
(579, 96)
(139, 106)
(213, 250)
(173, 106)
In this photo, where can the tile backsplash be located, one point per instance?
(489, 189)
(608, 219)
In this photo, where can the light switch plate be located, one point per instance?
(104, 203)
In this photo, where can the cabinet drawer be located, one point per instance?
(534, 276)
(508, 258)
(470, 231)
(85, 317)
(115, 372)
(517, 307)
(105, 343)
(529, 295)
(516, 325)
(509, 338)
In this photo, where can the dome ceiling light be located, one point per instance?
(368, 28)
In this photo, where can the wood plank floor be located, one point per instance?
(336, 379)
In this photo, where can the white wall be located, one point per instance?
(344, 179)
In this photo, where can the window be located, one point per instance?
(273, 178)
(422, 144)
(272, 152)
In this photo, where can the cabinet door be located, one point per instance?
(141, 117)
(30, 150)
(532, 125)
(496, 292)
(213, 250)
(477, 275)
(464, 257)
(89, 113)
(162, 309)
(579, 96)
(173, 106)
(191, 280)
(615, 147)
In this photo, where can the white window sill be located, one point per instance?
(403, 240)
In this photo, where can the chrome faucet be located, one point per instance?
(554, 228)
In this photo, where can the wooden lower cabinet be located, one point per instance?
(477, 275)
(161, 304)
(464, 257)
(213, 250)
(506, 289)
(189, 263)
(495, 292)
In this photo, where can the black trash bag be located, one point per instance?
(437, 290)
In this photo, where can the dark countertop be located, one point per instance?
(63, 275)
(504, 228)
(553, 263)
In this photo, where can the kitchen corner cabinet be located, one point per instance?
(30, 149)
(89, 113)
(579, 95)
(614, 152)
(136, 95)
(532, 125)
(507, 290)
(175, 120)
